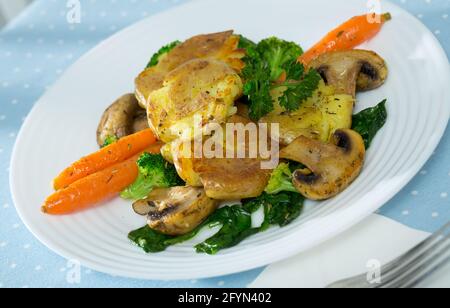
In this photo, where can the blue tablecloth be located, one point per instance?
(39, 45)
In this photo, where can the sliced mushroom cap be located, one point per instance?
(331, 167)
(176, 210)
(122, 118)
(140, 121)
(142, 208)
(351, 70)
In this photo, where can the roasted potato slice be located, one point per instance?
(317, 118)
(232, 179)
(221, 46)
(204, 88)
(225, 178)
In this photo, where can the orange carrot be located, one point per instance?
(347, 36)
(104, 158)
(282, 77)
(95, 188)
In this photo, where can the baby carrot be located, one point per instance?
(347, 36)
(105, 157)
(95, 188)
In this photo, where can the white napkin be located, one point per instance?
(375, 240)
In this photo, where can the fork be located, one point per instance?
(410, 269)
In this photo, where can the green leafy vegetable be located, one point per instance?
(235, 224)
(280, 180)
(298, 92)
(149, 240)
(264, 64)
(257, 88)
(278, 53)
(294, 70)
(154, 171)
(164, 50)
(152, 241)
(280, 209)
(245, 43)
(110, 140)
(368, 122)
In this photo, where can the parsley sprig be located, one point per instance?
(265, 63)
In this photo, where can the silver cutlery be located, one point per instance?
(410, 269)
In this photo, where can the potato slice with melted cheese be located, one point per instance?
(317, 118)
(201, 87)
(221, 46)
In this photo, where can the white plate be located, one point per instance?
(61, 128)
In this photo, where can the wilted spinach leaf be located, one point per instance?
(280, 209)
(368, 122)
(149, 240)
(236, 226)
(235, 222)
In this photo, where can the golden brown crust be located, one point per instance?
(232, 178)
(201, 86)
(197, 47)
(148, 81)
(221, 46)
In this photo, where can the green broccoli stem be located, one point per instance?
(140, 189)
(285, 185)
(286, 84)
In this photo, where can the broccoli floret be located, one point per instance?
(245, 43)
(280, 180)
(110, 140)
(278, 53)
(264, 64)
(154, 172)
(164, 50)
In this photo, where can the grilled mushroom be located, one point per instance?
(142, 208)
(331, 167)
(122, 118)
(176, 210)
(352, 70)
(331, 107)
